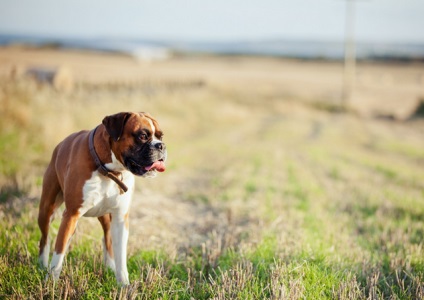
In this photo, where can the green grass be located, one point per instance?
(276, 214)
(258, 273)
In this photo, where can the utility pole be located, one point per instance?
(349, 71)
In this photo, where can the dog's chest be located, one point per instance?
(102, 195)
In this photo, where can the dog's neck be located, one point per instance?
(101, 144)
(103, 157)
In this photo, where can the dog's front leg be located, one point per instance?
(66, 230)
(120, 230)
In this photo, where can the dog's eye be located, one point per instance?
(142, 137)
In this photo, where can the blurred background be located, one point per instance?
(294, 128)
(336, 31)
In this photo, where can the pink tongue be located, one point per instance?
(158, 165)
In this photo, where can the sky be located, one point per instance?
(214, 20)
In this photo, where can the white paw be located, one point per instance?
(123, 278)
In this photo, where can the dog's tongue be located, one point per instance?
(159, 165)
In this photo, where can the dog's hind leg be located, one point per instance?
(107, 241)
(48, 204)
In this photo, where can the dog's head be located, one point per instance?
(136, 141)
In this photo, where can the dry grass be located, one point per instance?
(264, 196)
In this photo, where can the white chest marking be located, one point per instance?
(102, 195)
(115, 165)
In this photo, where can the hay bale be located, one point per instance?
(63, 80)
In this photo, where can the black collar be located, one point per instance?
(101, 168)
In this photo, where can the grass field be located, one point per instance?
(267, 195)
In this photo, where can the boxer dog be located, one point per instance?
(92, 172)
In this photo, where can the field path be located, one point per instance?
(159, 221)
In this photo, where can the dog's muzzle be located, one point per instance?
(148, 160)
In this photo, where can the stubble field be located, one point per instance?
(269, 193)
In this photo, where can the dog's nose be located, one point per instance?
(160, 146)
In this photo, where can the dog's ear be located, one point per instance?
(115, 124)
